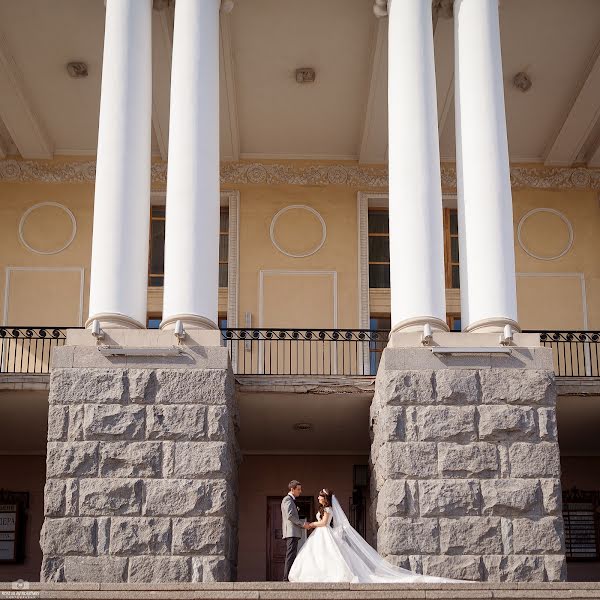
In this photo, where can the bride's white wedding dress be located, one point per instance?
(337, 553)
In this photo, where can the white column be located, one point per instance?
(119, 266)
(487, 259)
(192, 216)
(415, 202)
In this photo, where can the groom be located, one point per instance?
(291, 525)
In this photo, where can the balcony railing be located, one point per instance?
(349, 352)
(297, 352)
(27, 349)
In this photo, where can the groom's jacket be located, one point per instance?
(290, 520)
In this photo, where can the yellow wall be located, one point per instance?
(45, 289)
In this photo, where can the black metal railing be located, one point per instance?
(27, 349)
(350, 352)
(575, 353)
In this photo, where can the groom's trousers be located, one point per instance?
(290, 555)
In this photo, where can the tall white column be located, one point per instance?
(192, 215)
(415, 201)
(119, 267)
(487, 259)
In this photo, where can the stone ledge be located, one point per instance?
(310, 591)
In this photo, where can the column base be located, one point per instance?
(417, 323)
(189, 322)
(492, 325)
(114, 321)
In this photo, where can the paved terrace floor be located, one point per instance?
(307, 591)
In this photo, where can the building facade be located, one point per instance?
(343, 271)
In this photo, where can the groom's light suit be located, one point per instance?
(292, 531)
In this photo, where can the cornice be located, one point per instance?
(298, 173)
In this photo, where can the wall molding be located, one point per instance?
(311, 210)
(299, 173)
(10, 270)
(552, 211)
(40, 205)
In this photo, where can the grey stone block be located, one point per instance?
(203, 459)
(471, 535)
(176, 422)
(114, 422)
(58, 419)
(200, 535)
(99, 569)
(399, 560)
(450, 423)
(52, 570)
(103, 535)
(220, 423)
(473, 460)
(211, 386)
(107, 497)
(517, 386)
(160, 569)
(168, 459)
(61, 357)
(393, 499)
(556, 567)
(67, 536)
(552, 496)
(142, 385)
(534, 460)
(210, 569)
(400, 535)
(522, 568)
(465, 568)
(457, 386)
(449, 497)
(71, 459)
(407, 459)
(130, 459)
(547, 424)
(187, 497)
(140, 535)
(76, 422)
(511, 497)
(390, 424)
(540, 536)
(504, 422)
(61, 497)
(405, 387)
(80, 386)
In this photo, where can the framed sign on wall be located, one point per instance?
(13, 506)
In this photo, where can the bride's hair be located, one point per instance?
(327, 496)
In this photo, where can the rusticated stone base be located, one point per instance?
(466, 471)
(141, 473)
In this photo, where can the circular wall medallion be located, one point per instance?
(298, 230)
(545, 233)
(47, 228)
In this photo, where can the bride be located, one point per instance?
(335, 552)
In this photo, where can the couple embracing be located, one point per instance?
(335, 551)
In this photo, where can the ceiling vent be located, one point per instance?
(77, 70)
(522, 81)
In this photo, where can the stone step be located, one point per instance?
(308, 591)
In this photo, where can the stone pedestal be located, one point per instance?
(465, 459)
(141, 465)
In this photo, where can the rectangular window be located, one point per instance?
(451, 248)
(156, 267)
(379, 248)
(376, 347)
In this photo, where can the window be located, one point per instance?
(156, 269)
(379, 248)
(581, 514)
(376, 347)
(454, 322)
(451, 248)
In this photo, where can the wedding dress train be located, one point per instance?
(337, 553)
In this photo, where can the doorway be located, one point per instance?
(276, 546)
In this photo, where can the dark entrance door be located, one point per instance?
(276, 545)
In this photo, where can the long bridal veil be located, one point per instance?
(364, 562)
